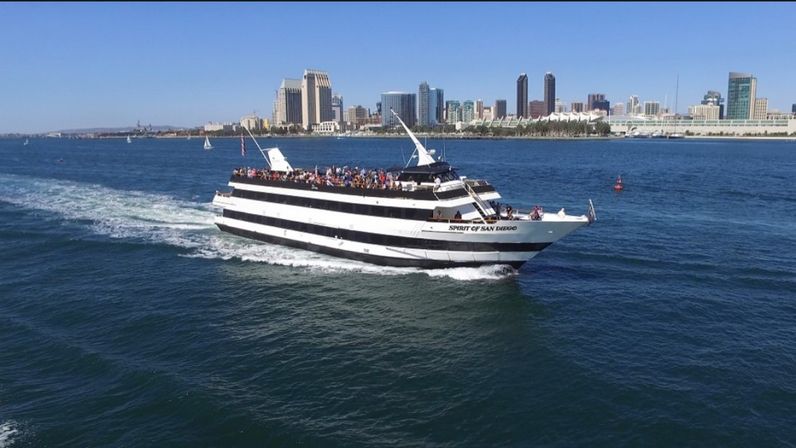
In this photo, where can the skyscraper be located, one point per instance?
(288, 102)
(761, 109)
(453, 111)
(468, 111)
(633, 105)
(316, 98)
(403, 104)
(424, 112)
(479, 109)
(549, 93)
(522, 96)
(593, 98)
(652, 108)
(576, 106)
(741, 91)
(499, 111)
(714, 97)
(440, 104)
(337, 110)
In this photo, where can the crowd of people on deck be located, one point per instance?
(333, 176)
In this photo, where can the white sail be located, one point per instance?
(128, 139)
(207, 143)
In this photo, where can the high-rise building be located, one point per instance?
(704, 112)
(403, 104)
(633, 105)
(576, 106)
(429, 110)
(288, 103)
(560, 106)
(316, 98)
(522, 96)
(487, 113)
(652, 108)
(357, 116)
(439, 104)
(603, 105)
(793, 108)
(592, 98)
(536, 109)
(479, 109)
(251, 122)
(741, 91)
(453, 111)
(337, 110)
(424, 112)
(468, 111)
(761, 109)
(499, 111)
(549, 93)
(714, 97)
(618, 109)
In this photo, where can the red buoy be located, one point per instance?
(618, 186)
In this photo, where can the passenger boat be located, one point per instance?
(424, 216)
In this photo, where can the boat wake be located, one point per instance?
(7, 433)
(161, 219)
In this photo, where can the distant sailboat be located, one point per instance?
(27, 142)
(128, 139)
(207, 143)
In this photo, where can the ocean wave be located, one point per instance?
(161, 219)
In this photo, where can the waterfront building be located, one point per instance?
(479, 109)
(536, 109)
(337, 110)
(468, 111)
(357, 116)
(633, 105)
(576, 106)
(761, 109)
(220, 127)
(522, 95)
(793, 108)
(316, 98)
(560, 106)
(704, 112)
(499, 110)
(439, 104)
(453, 111)
(741, 91)
(288, 103)
(487, 113)
(403, 104)
(781, 126)
(424, 112)
(652, 108)
(265, 124)
(602, 105)
(592, 98)
(714, 97)
(618, 109)
(251, 122)
(327, 127)
(429, 111)
(549, 93)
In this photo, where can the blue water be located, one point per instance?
(127, 319)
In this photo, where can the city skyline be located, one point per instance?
(90, 65)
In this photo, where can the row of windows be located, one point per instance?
(384, 240)
(336, 206)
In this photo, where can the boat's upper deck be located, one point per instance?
(409, 183)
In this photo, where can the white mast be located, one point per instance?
(423, 157)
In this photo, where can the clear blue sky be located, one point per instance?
(87, 65)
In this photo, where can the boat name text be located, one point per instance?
(479, 228)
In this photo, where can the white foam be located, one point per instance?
(162, 219)
(7, 433)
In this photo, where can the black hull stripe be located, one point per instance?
(385, 240)
(414, 214)
(382, 261)
(426, 195)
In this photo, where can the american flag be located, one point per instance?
(242, 146)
